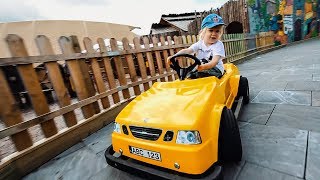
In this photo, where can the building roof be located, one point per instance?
(174, 22)
(160, 28)
(181, 21)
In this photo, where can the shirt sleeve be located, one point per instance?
(219, 50)
(195, 47)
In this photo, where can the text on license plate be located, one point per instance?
(145, 153)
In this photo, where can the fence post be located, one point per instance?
(181, 60)
(77, 76)
(257, 42)
(108, 70)
(132, 66)
(56, 79)
(158, 58)
(11, 115)
(119, 67)
(226, 47)
(165, 56)
(141, 62)
(85, 72)
(171, 50)
(30, 80)
(96, 72)
(194, 38)
(243, 44)
(184, 39)
(149, 58)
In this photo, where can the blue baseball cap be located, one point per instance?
(211, 21)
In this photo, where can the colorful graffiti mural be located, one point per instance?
(290, 20)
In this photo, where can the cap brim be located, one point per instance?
(214, 25)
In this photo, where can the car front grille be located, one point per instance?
(145, 133)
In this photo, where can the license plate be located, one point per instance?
(145, 153)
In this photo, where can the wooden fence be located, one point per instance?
(238, 46)
(231, 11)
(103, 81)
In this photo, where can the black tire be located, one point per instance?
(243, 89)
(229, 147)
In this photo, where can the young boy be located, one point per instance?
(209, 49)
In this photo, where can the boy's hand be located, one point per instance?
(168, 60)
(200, 68)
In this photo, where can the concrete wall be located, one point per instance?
(53, 29)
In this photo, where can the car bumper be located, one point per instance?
(191, 159)
(150, 171)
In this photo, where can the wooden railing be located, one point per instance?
(103, 82)
(238, 46)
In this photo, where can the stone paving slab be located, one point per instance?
(71, 150)
(253, 172)
(316, 77)
(315, 98)
(260, 78)
(296, 71)
(256, 64)
(287, 77)
(307, 65)
(113, 174)
(232, 170)
(313, 158)
(253, 93)
(306, 117)
(256, 113)
(82, 164)
(303, 86)
(277, 148)
(251, 73)
(269, 85)
(317, 64)
(100, 140)
(284, 97)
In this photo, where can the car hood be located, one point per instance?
(167, 104)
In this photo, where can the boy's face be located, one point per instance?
(212, 35)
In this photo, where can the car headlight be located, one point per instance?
(116, 127)
(188, 137)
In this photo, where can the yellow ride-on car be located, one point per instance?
(181, 129)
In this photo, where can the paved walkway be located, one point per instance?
(280, 127)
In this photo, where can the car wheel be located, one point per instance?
(243, 89)
(229, 147)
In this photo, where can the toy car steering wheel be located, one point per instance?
(184, 72)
